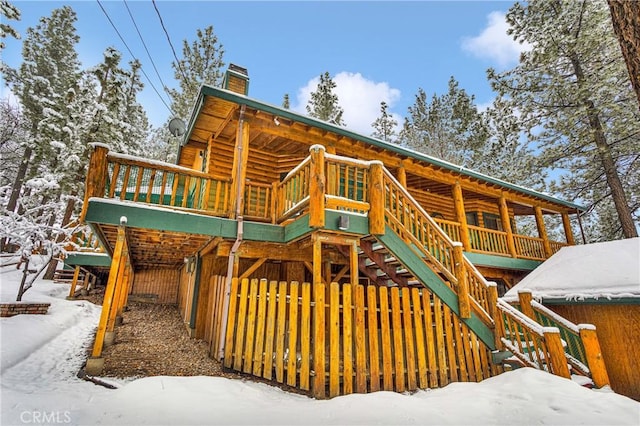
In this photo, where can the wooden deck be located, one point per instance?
(347, 188)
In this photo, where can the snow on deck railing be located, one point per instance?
(521, 318)
(561, 321)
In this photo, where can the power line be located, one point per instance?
(134, 56)
(184, 75)
(145, 48)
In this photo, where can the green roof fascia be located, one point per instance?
(285, 113)
(87, 259)
(192, 121)
(503, 262)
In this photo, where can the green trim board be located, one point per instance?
(414, 263)
(87, 259)
(109, 211)
(398, 149)
(502, 262)
(358, 224)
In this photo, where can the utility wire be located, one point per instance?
(145, 48)
(184, 75)
(134, 56)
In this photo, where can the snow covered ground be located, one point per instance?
(40, 356)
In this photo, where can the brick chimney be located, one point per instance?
(236, 79)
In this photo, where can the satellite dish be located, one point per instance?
(177, 127)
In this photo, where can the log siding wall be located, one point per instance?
(162, 283)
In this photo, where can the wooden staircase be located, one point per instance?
(413, 251)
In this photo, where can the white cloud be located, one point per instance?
(494, 44)
(359, 98)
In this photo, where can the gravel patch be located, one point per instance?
(152, 341)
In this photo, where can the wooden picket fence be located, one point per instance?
(364, 339)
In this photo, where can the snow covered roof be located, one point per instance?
(609, 270)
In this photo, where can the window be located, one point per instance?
(472, 218)
(492, 221)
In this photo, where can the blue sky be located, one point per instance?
(374, 50)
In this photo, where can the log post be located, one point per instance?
(353, 260)
(557, 358)
(74, 283)
(117, 295)
(239, 168)
(461, 218)
(376, 198)
(498, 331)
(568, 232)
(85, 282)
(595, 361)
(542, 231)
(317, 187)
(463, 286)
(506, 226)
(402, 176)
(109, 293)
(96, 181)
(525, 297)
(124, 289)
(319, 391)
(274, 202)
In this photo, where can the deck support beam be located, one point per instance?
(458, 202)
(568, 232)
(317, 187)
(96, 363)
(96, 180)
(464, 303)
(376, 198)
(239, 168)
(74, 282)
(542, 231)
(506, 226)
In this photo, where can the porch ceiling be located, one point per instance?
(286, 136)
(151, 248)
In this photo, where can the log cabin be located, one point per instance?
(318, 258)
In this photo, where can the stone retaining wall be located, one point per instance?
(17, 308)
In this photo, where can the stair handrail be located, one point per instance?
(289, 198)
(533, 344)
(472, 276)
(581, 344)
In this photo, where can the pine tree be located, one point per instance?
(14, 135)
(324, 104)
(10, 12)
(507, 154)
(285, 101)
(575, 98)
(384, 127)
(49, 71)
(448, 127)
(119, 120)
(625, 17)
(201, 63)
